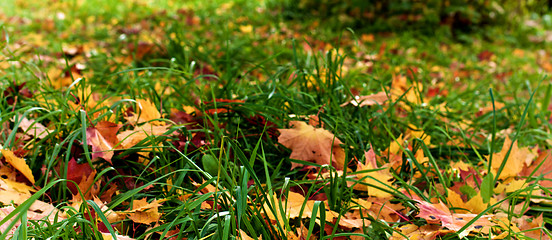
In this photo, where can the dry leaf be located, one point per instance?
(102, 138)
(129, 138)
(312, 144)
(380, 178)
(33, 128)
(439, 213)
(293, 205)
(146, 112)
(19, 164)
(144, 212)
(369, 100)
(515, 160)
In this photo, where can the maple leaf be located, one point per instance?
(369, 100)
(77, 172)
(439, 213)
(411, 231)
(19, 164)
(144, 212)
(129, 138)
(514, 163)
(102, 138)
(375, 179)
(541, 166)
(312, 144)
(293, 205)
(146, 112)
(33, 128)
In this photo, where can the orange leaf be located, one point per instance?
(144, 212)
(130, 138)
(102, 138)
(312, 144)
(19, 164)
(439, 213)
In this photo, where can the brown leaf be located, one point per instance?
(19, 164)
(369, 100)
(103, 138)
(33, 128)
(312, 144)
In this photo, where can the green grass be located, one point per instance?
(206, 55)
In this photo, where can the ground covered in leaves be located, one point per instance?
(192, 121)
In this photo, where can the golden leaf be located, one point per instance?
(19, 164)
(514, 163)
(146, 112)
(144, 212)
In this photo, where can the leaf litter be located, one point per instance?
(141, 129)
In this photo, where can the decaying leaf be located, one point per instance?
(312, 144)
(19, 164)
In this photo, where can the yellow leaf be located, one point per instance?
(144, 212)
(146, 111)
(514, 163)
(293, 205)
(454, 200)
(476, 205)
(312, 144)
(19, 164)
(510, 186)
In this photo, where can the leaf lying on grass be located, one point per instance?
(312, 144)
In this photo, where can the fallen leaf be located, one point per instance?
(514, 163)
(129, 138)
(439, 213)
(33, 128)
(108, 236)
(144, 212)
(292, 205)
(312, 144)
(77, 173)
(369, 100)
(375, 179)
(146, 112)
(19, 164)
(103, 137)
